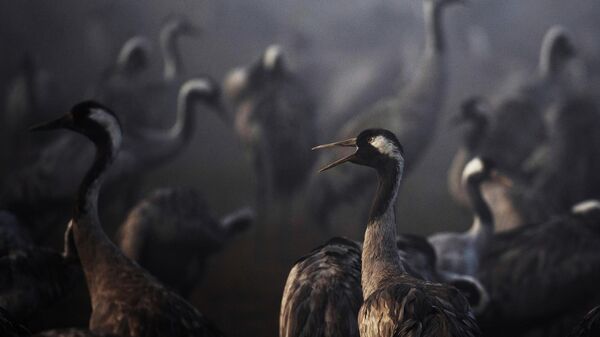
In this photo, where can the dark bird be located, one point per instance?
(126, 299)
(460, 252)
(566, 172)
(589, 326)
(71, 332)
(49, 184)
(9, 327)
(542, 277)
(396, 303)
(518, 119)
(275, 117)
(158, 95)
(121, 84)
(323, 294)
(412, 114)
(551, 81)
(31, 277)
(474, 121)
(172, 233)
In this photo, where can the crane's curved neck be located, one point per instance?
(550, 64)
(379, 257)
(170, 53)
(168, 144)
(93, 245)
(483, 222)
(434, 36)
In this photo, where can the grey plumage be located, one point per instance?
(460, 252)
(50, 182)
(172, 233)
(412, 114)
(275, 117)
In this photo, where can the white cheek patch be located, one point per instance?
(110, 124)
(385, 146)
(586, 206)
(474, 166)
(272, 54)
(197, 84)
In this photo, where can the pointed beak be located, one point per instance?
(60, 123)
(344, 143)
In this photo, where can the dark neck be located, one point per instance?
(167, 144)
(434, 35)
(483, 222)
(92, 245)
(87, 197)
(171, 56)
(380, 258)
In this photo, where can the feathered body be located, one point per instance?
(542, 273)
(172, 233)
(126, 299)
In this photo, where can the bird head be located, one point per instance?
(557, 49)
(374, 148)
(203, 88)
(479, 170)
(180, 26)
(134, 56)
(262, 73)
(473, 121)
(471, 288)
(91, 119)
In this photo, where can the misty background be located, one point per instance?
(491, 44)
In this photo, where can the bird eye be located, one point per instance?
(371, 139)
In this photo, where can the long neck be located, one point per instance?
(379, 257)
(167, 144)
(434, 35)
(93, 246)
(483, 222)
(171, 56)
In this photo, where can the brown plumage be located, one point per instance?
(31, 277)
(396, 303)
(323, 294)
(126, 299)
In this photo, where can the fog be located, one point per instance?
(491, 45)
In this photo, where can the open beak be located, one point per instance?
(502, 179)
(344, 143)
(59, 123)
